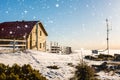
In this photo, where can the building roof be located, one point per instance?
(18, 29)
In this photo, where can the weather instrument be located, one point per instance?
(108, 30)
(107, 39)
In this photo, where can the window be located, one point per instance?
(40, 45)
(44, 44)
(40, 33)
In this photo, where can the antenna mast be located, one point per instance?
(107, 35)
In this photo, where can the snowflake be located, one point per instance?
(25, 12)
(75, 9)
(57, 5)
(109, 4)
(70, 6)
(34, 17)
(6, 12)
(24, 36)
(48, 7)
(18, 27)
(43, 7)
(2, 29)
(26, 26)
(62, 2)
(87, 5)
(31, 7)
(51, 21)
(45, 25)
(110, 17)
(11, 32)
(48, 18)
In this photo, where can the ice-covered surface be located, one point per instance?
(40, 60)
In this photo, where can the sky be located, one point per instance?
(75, 23)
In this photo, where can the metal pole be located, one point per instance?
(14, 45)
(107, 35)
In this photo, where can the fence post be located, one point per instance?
(25, 43)
(14, 45)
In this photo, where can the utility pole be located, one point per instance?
(107, 35)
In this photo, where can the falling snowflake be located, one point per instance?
(18, 27)
(2, 29)
(110, 17)
(57, 5)
(45, 25)
(51, 21)
(43, 7)
(75, 9)
(48, 7)
(6, 12)
(70, 6)
(83, 28)
(24, 36)
(25, 12)
(11, 32)
(26, 26)
(34, 17)
(109, 4)
(87, 5)
(31, 7)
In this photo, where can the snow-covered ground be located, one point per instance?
(40, 61)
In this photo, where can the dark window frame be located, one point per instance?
(40, 45)
(40, 33)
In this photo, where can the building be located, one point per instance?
(68, 50)
(54, 47)
(32, 31)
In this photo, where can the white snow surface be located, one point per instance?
(40, 61)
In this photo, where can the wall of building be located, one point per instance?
(35, 44)
(41, 39)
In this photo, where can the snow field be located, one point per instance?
(66, 63)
